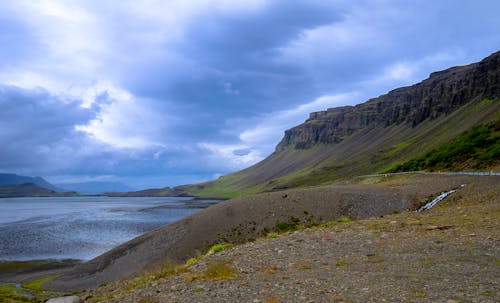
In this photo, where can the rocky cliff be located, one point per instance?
(442, 93)
(378, 135)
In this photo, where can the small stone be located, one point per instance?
(393, 222)
(451, 301)
(256, 301)
(69, 299)
(176, 287)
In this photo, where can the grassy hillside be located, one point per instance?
(477, 148)
(372, 150)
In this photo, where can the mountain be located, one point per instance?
(24, 190)
(383, 134)
(95, 187)
(13, 179)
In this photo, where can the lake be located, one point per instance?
(82, 227)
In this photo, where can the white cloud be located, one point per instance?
(406, 72)
(400, 72)
(126, 122)
(267, 132)
(259, 140)
(225, 156)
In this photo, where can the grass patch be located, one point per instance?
(28, 292)
(341, 263)
(479, 146)
(37, 285)
(294, 224)
(272, 235)
(419, 294)
(219, 247)
(197, 290)
(148, 299)
(272, 300)
(216, 271)
(212, 250)
(166, 270)
(291, 225)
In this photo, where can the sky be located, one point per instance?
(160, 93)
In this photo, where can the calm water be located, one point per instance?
(82, 227)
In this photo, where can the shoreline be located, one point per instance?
(245, 219)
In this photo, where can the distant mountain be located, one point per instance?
(449, 121)
(95, 187)
(13, 179)
(24, 190)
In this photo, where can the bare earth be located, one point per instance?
(448, 254)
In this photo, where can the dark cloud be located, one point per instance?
(34, 125)
(236, 48)
(198, 89)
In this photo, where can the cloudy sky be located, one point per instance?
(155, 93)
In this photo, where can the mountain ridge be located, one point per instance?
(374, 136)
(446, 90)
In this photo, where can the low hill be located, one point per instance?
(24, 190)
(13, 179)
(94, 187)
(381, 135)
(152, 192)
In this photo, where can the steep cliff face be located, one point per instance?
(375, 136)
(442, 93)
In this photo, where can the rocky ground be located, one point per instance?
(448, 254)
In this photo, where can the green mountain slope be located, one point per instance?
(477, 148)
(376, 136)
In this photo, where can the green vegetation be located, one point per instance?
(37, 285)
(479, 147)
(272, 235)
(367, 151)
(29, 292)
(219, 247)
(212, 250)
(218, 270)
(341, 263)
(167, 269)
(147, 299)
(295, 224)
(290, 225)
